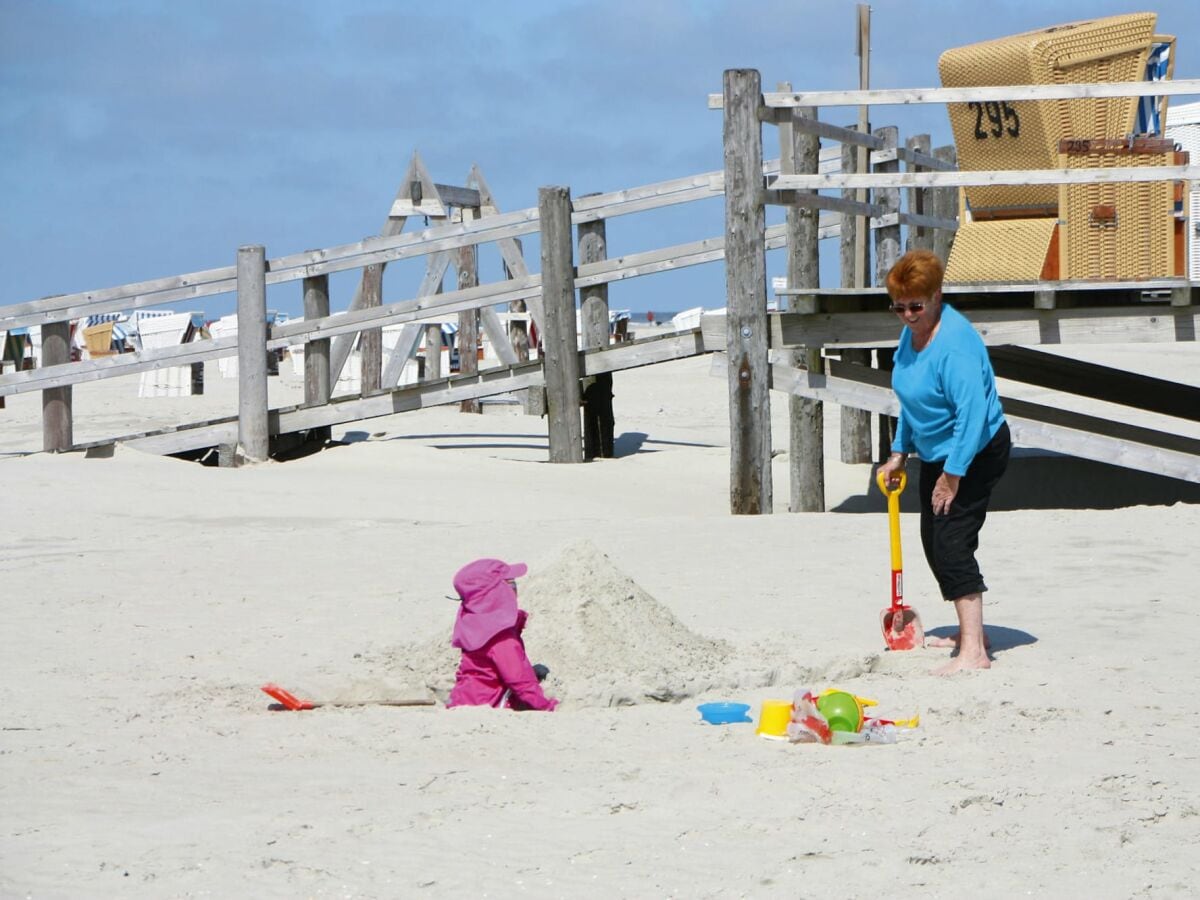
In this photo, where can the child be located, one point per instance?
(494, 670)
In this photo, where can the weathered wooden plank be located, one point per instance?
(1066, 288)
(252, 432)
(316, 353)
(887, 252)
(750, 488)
(814, 126)
(1033, 425)
(901, 96)
(462, 197)
(466, 265)
(799, 153)
(57, 422)
(920, 200)
(559, 338)
(904, 218)
(914, 157)
(114, 366)
(593, 298)
(371, 340)
(1115, 175)
(1105, 383)
(496, 335)
(945, 205)
(433, 352)
(406, 346)
(999, 326)
(489, 382)
(819, 201)
(854, 424)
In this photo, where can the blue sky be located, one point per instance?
(144, 139)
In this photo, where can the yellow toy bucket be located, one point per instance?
(773, 719)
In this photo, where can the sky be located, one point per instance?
(145, 139)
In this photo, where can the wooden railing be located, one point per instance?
(746, 107)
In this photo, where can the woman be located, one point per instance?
(950, 416)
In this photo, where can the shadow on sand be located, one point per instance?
(999, 637)
(1036, 480)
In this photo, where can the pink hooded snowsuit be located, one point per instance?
(494, 669)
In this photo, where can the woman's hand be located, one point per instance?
(945, 489)
(891, 470)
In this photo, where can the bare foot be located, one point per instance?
(962, 663)
(951, 641)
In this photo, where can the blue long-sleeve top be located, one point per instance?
(949, 408)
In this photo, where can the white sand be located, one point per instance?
(145, 601)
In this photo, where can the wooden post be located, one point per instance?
(316, 352)
(887, 251)
(855, 423)
(433, 351)
(57, 421)
(466, 262)
(253, 435)
(371, 343)
(862, 231)
(799, 154)
(750, 490)
(945, 206)
(920, 200)
(593, 315)
(559, 339)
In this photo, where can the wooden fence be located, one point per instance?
(747, 332)
(253, 272)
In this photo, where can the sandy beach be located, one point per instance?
(146, 600)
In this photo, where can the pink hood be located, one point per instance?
(488, 603)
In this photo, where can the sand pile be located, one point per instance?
(606, 640)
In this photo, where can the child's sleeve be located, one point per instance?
(508, 655)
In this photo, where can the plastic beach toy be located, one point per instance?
(724, 713)
(841, 711)
(773, 719)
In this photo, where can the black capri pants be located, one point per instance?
(950, 541)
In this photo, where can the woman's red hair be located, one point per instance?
(917, 274)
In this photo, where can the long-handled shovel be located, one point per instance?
(288, 700)
(902, 628)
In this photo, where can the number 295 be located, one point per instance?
(1001, 118)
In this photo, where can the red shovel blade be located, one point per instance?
(910, 635)
(286, 698)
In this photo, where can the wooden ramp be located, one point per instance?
(1036, 425)
(341, 410)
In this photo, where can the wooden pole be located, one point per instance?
(799, 153)
(466, 262)
(920, 200)
(945, 206)
(433, 351)
(371, 342)
(253, 435)
(57, 418)
(750, 490)
(861, 262)
(316, 353)
(887, 251)
(593, 300)
(559, 338)
(593, 316)
(855, 427)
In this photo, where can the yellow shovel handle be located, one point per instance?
(893, 499)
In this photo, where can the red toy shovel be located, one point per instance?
(288, 700)
(901, 625)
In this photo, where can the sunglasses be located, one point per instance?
(901, 308)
